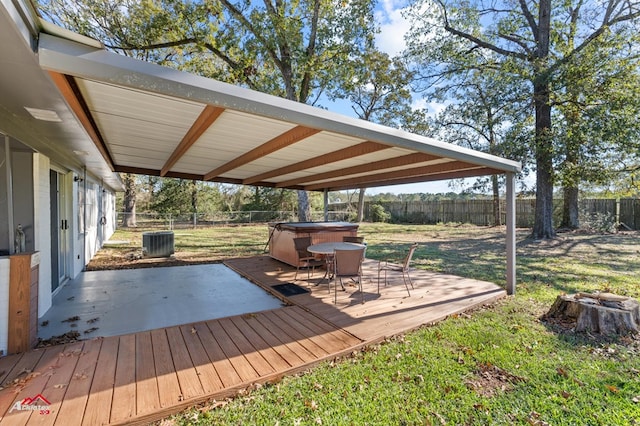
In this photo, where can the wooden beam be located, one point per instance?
(405, 160)
(279, 142)
(339, 155)
(482, 171)
(367, 180)
(206, 118)
(71, 92)
(189, 176)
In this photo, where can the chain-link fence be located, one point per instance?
(195, 220)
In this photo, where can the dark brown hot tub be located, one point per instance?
(282, 234)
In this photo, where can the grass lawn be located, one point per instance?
(497, 365)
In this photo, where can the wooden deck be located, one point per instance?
(435, 297)
(141, 377)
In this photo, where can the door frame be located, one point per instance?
(61, 226)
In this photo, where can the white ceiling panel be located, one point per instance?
(139, 105)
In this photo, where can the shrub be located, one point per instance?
(378, 213)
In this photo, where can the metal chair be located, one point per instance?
(402, 268)
(305, 259)
(352, 239)
(347, 264)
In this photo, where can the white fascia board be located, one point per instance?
(99, 65)
(23, 15)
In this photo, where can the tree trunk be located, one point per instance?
(129, 207)
(360, 214)
(543, 222)
(304, 209)
(497, 214)
(570, 208)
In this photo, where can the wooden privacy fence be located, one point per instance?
(480, 212)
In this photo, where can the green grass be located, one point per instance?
(499, 365)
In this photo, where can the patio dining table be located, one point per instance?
(327, 250)
(330, 247)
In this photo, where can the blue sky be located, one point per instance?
(393, 27)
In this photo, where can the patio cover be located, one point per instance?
(154, 120)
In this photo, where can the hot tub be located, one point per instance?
(282, 234)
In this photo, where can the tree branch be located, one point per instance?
(154, 46)
(476, 40)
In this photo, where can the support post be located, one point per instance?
(8, 168)
(326, 205)
(511, 233)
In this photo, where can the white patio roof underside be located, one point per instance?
(148, 119)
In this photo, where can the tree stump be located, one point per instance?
(603, 313)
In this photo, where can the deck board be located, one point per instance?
(33, 386)
(240, 363)
(101, 394)
(169, 392)
(280, 334)
(57, 388)
(142, 377)
(147, 394)
(271, 357)
(190, 385)
(205, 371)
(223, 366)
(124, 389)
(77, 390)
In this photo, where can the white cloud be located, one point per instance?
(432, 108)
(393, 26)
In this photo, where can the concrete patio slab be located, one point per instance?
(110, 303)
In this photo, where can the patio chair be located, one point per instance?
(402, 268)
(357, 240)
(347, 264)
(305, 259)
(352, 239)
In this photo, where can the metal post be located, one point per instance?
(511, 233)
(7, 164)
(326, 205)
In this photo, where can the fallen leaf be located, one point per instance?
(193, 330)
(442, 420)
(562, 372)
(612, 389)
(60, 386)
(566, 394)
(578, 382)
(311, 404)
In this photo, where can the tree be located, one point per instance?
(481, 110)
(129, 204)
(378, 88)
(524, 39)
(598, 120)
(185, 197)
